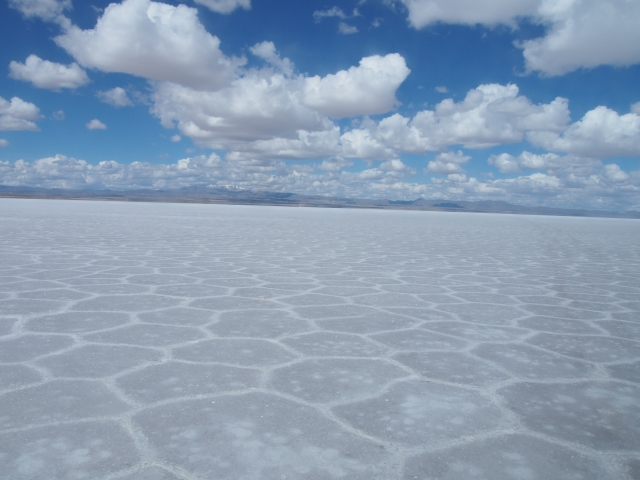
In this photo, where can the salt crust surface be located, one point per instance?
(167, 341)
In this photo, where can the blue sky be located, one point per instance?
(531, 101)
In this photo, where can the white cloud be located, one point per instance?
(448, 163)
(43, 9)
(225, 6)
(116, 97)
(579, 33)
(331, 12)
(176, 138)
(58, 115)
(49, 75)
(489, 115)
(267, 51)
(96, 124)
(635, 108)
(4, 142)
(507, 163)
(467, 12)
(595, 185)
(600, 133)
(18, 115)
(346, 29)
(274, 113)
(155, 41)
(584, 34)
(363, 90)
(442, 89)
(615, 174)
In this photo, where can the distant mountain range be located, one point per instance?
(237, 196)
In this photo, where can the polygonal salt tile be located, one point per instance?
(484, 313)
(27, 285)
(558, 325)
(85, 450)
(23, 306)
(259, 353)
(159, 279)
(600, 415)
(58, 401)
(563, 312)
(233, 303)
(390, 300)
(423, 413)
(177, 316)
(630, 330)
(59, 294)
(493, 298)
(174, 379)
(633, 468)
(95, 361)
(114, 289)
(327, 344)
(260, 436)
(149, 473)
(125, 303)
(420, 313)
(15, 376)
(626, 371)
(419, 340)
(377, 322)
(345, 291)
(508, 457)
(479, 333)
(338, 311)
(191, 290)
(309, 299)
(147, 335)
(25, 347)
(335, 380)
(590, 348)
(257, 323)
(76, 322)
(531, 363)
(453, 367)
(6, 326)
(541, 299)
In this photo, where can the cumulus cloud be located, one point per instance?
(318, 15)
(155, 41)
(601, 132)
(507, 163)
(467, 12)
(4, 142)
(367, 89)
(96, 124)
(584, 34)
(43, 9)
(49, 75)
(267, 51)
(442, 89)
(489, 115)
(579, 33)
(448, 162)
(635, 108)
(225, 6)
(346, 29)
(275, 113)
(116, 97)
(18, 115)
(58, 115)
(593, 185)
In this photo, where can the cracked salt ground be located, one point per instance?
(184, 342)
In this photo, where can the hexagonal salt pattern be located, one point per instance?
(185, 342)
